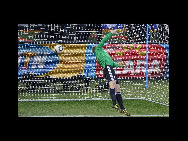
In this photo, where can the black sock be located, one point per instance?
(119, 99)
(113, 96)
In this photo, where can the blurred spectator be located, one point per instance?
(154, 36)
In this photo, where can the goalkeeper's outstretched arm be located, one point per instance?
(106, 37)
(101, 44)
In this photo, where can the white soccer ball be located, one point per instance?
(58, 48)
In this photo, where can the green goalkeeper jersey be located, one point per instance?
(103, 57)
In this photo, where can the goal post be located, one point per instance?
(147, 57)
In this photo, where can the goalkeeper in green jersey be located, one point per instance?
(106, 62)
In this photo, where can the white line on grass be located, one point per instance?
(102, 116)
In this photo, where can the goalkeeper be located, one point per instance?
(106, 62)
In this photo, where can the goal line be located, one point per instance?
(102, 116)
(25, 100)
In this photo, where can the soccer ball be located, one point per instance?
(58, 48)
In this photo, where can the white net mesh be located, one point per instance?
(55, 61)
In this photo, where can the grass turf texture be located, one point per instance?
(89, 108)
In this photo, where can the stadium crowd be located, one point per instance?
(87, 33)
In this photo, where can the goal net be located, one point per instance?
(56, 63)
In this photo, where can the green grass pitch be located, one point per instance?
(90, 108)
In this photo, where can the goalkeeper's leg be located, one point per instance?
(109, 75)
(118, 96)
(120, 100)
(112, 85)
